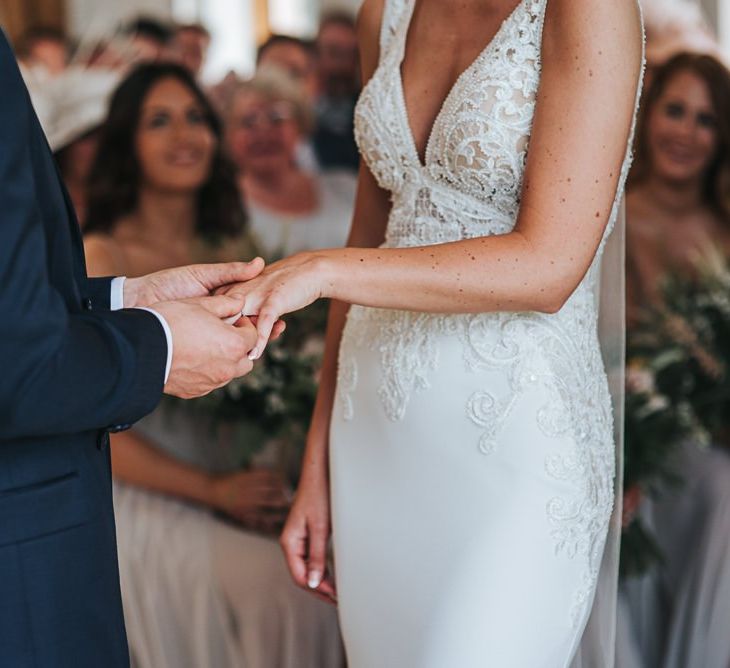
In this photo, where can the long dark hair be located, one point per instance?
(115, 177)
(716, 76)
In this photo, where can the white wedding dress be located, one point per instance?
(472, 456)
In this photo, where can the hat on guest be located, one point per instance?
(675, 26)
(73, 103)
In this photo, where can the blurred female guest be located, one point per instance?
(198, 590)
(290, 209)
(71, 107)
(678, 202)
(679, 190)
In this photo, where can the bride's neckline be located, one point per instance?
(422, 157)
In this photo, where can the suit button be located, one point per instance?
(102, 440)
(115, 429)
(86, 303)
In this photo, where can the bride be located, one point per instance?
(464, 435)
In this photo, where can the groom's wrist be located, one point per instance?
(133, 293)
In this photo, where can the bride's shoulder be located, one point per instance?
(593, 36)
(589, 20)
(370, 16)
(369, 22)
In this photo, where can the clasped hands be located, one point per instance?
(212, 342)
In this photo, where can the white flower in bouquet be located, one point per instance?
(639, 380)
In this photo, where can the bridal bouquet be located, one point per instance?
(677, 390)
(270, 408)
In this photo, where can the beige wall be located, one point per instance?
(99, 17)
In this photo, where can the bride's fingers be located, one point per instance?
(295, 549)
(323, 597)
(267, 318)
(327, 587)
(278, 330)
(317, 554)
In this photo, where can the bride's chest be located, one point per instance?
(478, 142)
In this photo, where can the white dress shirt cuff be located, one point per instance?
(116, 302)
(116, 299)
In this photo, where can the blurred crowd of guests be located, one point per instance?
(163, 171)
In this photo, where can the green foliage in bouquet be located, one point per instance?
(677, 389)
(698, 318)
(657, 421)
(275, 401)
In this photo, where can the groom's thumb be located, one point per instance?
(213, 276)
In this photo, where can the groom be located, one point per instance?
(80, 358)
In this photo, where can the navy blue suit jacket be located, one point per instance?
(71, 370)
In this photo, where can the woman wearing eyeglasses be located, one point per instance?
(291, 209)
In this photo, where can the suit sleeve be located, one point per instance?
(60, 372)
(99, 291)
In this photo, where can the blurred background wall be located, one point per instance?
(235, 25)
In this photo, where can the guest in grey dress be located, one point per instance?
(678, 615)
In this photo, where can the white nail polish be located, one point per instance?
(253, 355)
(315, 580)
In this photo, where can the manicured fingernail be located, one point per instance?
(315, 579)
(254, 354)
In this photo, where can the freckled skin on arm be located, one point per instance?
(591, 67)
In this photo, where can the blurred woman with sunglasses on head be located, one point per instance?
(291, 209)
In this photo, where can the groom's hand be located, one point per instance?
(207, 353)
(197, 280)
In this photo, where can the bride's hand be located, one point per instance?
(304, 540)
(283, 287)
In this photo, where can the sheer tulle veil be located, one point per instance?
(597, 647)
(598, 644)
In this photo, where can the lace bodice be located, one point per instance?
(476, 150)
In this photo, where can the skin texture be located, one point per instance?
(670, 222)
(592, 57)
(175, 150)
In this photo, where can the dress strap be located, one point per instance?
(392, 15)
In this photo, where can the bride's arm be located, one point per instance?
(591, 59)
(305, 536)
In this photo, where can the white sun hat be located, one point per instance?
(72, 103)
(674, 26)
